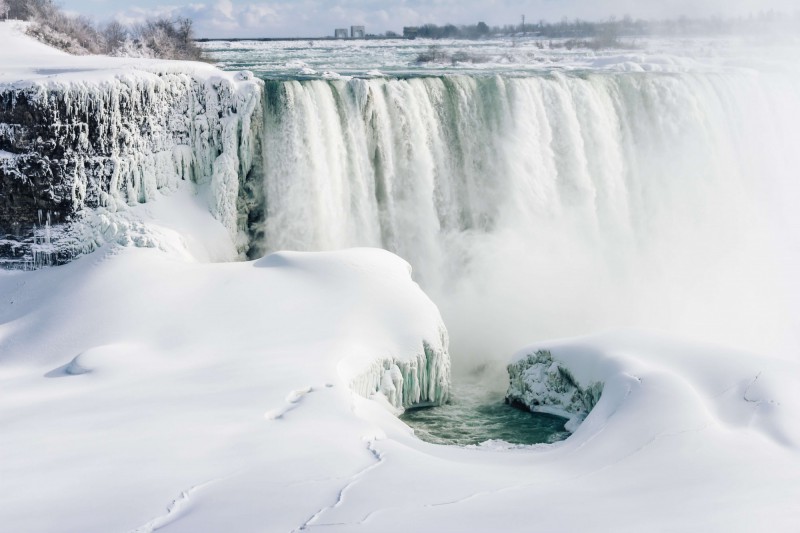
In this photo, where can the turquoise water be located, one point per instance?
(475, 415)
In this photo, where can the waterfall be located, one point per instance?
(554, 204)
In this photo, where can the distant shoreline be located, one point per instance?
(237, 39)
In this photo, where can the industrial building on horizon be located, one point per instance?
(356, 32)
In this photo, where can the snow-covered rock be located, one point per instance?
(540, 383)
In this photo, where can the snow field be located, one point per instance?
(146, 375)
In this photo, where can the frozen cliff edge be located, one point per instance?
(81, 146)
(411, 365)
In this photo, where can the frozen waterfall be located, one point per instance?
(552, 204)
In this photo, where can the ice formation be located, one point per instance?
(423, 379)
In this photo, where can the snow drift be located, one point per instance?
(709, 430)
(198, 372)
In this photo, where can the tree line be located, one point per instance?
(157, 38)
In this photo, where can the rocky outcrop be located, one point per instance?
(66, 148)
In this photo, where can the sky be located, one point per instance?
(313, 18)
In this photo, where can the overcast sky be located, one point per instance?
(311, 18)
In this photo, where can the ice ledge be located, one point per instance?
(539, 383)
(422, 379)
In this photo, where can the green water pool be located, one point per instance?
(475, 415)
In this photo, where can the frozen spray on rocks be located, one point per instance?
(539, 383)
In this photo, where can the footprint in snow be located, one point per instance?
(297, 395)
(292, 401)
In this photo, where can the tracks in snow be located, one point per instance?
(313, 519)
(174, 510)
(293, 400)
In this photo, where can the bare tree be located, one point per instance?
(168, 39)
(163, 37)
(115, 35)
(184, 30)
(27, 9)
(77, 35)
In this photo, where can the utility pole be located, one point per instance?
(523, 24)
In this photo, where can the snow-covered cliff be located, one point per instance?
(82, 142)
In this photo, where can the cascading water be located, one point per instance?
(553, 204)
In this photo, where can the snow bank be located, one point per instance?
(624, 379)
(417, 372)
(709, 430)
(146, 376)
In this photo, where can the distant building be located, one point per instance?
(340, 33)
(410, 32)
(357, 32)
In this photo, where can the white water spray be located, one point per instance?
(557, 204)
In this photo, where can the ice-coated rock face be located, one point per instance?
(72, 147)
(420, 380)
(539, 383)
